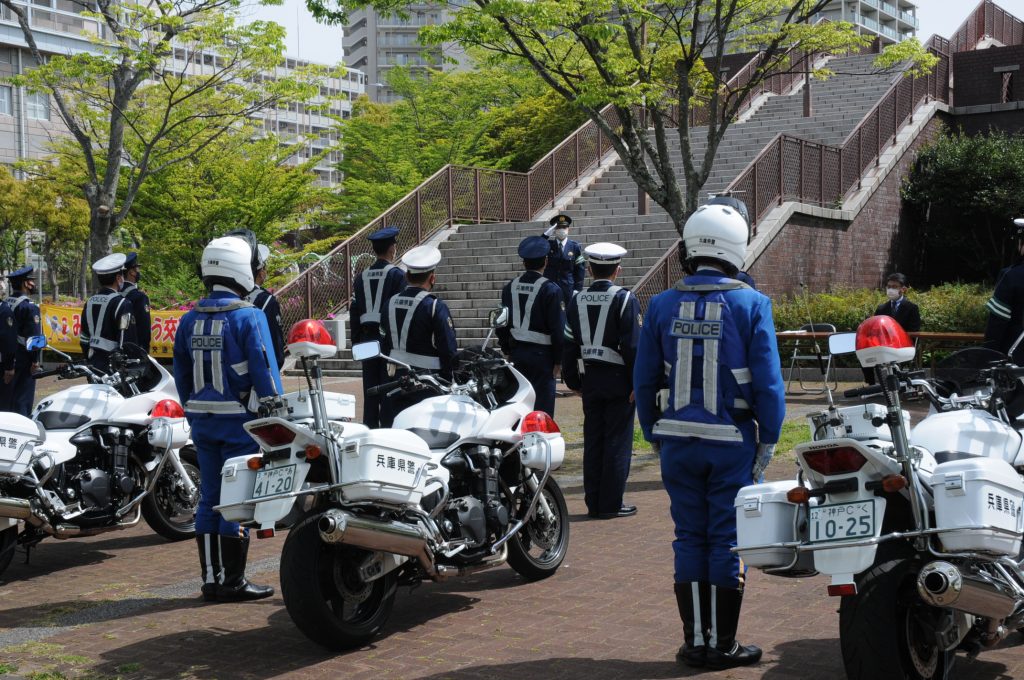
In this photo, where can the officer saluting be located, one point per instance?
(107, 321)
(713, 337)
(601, 332)
(534, 338)
(263, 299)
(372, 290)
(18, 379)
(565, 259)
(140, 301)
(418, 328)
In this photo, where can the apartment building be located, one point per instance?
(891, 20)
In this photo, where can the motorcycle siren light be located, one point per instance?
(881, 340)
(168, 408)
(273, 434)
(309, 338)
(539, 421)
(840, 460)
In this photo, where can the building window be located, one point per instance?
(38, 105)
(1007, 94)
(5, 100)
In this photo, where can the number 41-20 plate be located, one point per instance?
(274, 481)
(842, 521)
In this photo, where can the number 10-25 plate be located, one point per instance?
(842, 522)
(274, 481)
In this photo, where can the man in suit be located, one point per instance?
(898, 307)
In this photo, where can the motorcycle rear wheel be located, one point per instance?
(166, 511)
(8, 546)
(879, 631)
(324, 595)
(539, 548)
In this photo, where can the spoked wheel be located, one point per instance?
(169, 509)
(884, 631)
(538, 549)
(325, 594)
(8, 546)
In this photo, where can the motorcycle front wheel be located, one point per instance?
(168, 510)
(538, 549)
(324, 593)
(882, 631)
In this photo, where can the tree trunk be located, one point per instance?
(100, 228)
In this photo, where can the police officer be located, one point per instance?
(601, 332)
(565, 259)
(713, 338)
(224, 368)
(140, 301)
(263, 299)
(372, 290)
(418, 329)
(534, 339)
(8, 345)
(1006, 306)
(107, 321)
(18, 378)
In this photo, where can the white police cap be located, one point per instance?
(421, 260)
(111, 264)
(262, 255)
(604, 253)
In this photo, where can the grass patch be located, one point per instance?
(128, 667)
(639, 443)
(7, 668)
(46, 675)
(793, 432)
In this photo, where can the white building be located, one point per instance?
(892, 20)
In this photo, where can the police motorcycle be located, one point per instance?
(462, 483)
(98, 457)
(920, 530)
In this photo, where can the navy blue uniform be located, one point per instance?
(26, 325)
(373, 289)
(418, 331)
(104, 329)
(140, 313)
(1006, 313)
(264, 300)
(534, 339)
(566, 267)
(602, 331)
(8, 348)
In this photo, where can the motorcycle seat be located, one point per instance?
(947, 456)
(435, 439)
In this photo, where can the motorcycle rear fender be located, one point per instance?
(852, 560)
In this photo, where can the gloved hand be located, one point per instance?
(761, 459)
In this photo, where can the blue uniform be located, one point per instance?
(223, 363)
(264, 300)
(373, 289)
(140, 313)
(26, 324)
(104, 329)
(534, 339)
(712, 341)
(418, 331)
(1006, 313)
(566, 267)
(602, 331)
(8, 348)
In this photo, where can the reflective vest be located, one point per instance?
(522, 314)
(212, 353)
(593, 343)
(253, 298)
(373, 292)
(14, 302)
(93, 327)
(400, 337)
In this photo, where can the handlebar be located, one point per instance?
(384, 387)
(46, 374)
(868, 391)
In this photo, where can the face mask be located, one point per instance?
(561, 234)
(893, 293)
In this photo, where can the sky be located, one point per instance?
(309, 40)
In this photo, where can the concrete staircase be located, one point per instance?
(479, 259)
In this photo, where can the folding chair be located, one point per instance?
(803, 351)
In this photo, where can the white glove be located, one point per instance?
(549, 231)
(761, 459)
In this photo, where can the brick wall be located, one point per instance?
(827, 254)
(1010, 122)
(976, 80)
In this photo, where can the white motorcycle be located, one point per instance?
(98, 457)
(460, 484)
(920, 531)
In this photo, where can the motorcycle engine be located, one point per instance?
(93, 487)
(467, 514)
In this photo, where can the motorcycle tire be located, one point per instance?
(324, 595)
(552, 540)
(879, 634)
(158, 509)
(8, 546)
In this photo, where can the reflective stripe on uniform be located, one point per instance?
(521, 319)
(743, 376)
(216, 357)
(197, 360)
(684, 361)
(96, 341)
(254, 295)
(592, 340)
(712, 312)
(698, 624)
(682, 428)
(241, 368)
(416, 360)
(213, 407)
(400, 351)
(374, 298)
(998, 308)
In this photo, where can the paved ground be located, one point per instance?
(126, 605)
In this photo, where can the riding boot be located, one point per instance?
(209, 564)
(234, 552)
(723, 649)
(693, 652)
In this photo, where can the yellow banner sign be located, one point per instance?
(62, 326)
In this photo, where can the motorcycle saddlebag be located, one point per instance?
(17, 434)
(764, 516)
(236, 483)
(979, 492)
(384, 465)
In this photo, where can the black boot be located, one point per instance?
(209, 564)
(723, 650)
(234, 588)
(693, 652)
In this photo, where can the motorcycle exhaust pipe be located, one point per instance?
(942, 584)
(15, 508)
(339, 526)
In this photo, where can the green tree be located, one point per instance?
(641, 55)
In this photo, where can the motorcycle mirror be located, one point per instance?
(498, 317)
(842, 343)
(366, 350)
(35, 342)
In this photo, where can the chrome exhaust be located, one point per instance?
(339, 526)
(942, 584)
(15, 508)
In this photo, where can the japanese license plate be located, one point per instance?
(843, 521)
(274, 481)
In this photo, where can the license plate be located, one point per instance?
(842, 522)
(274, 481)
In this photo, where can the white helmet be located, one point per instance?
(717, 232)
(228, 261)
